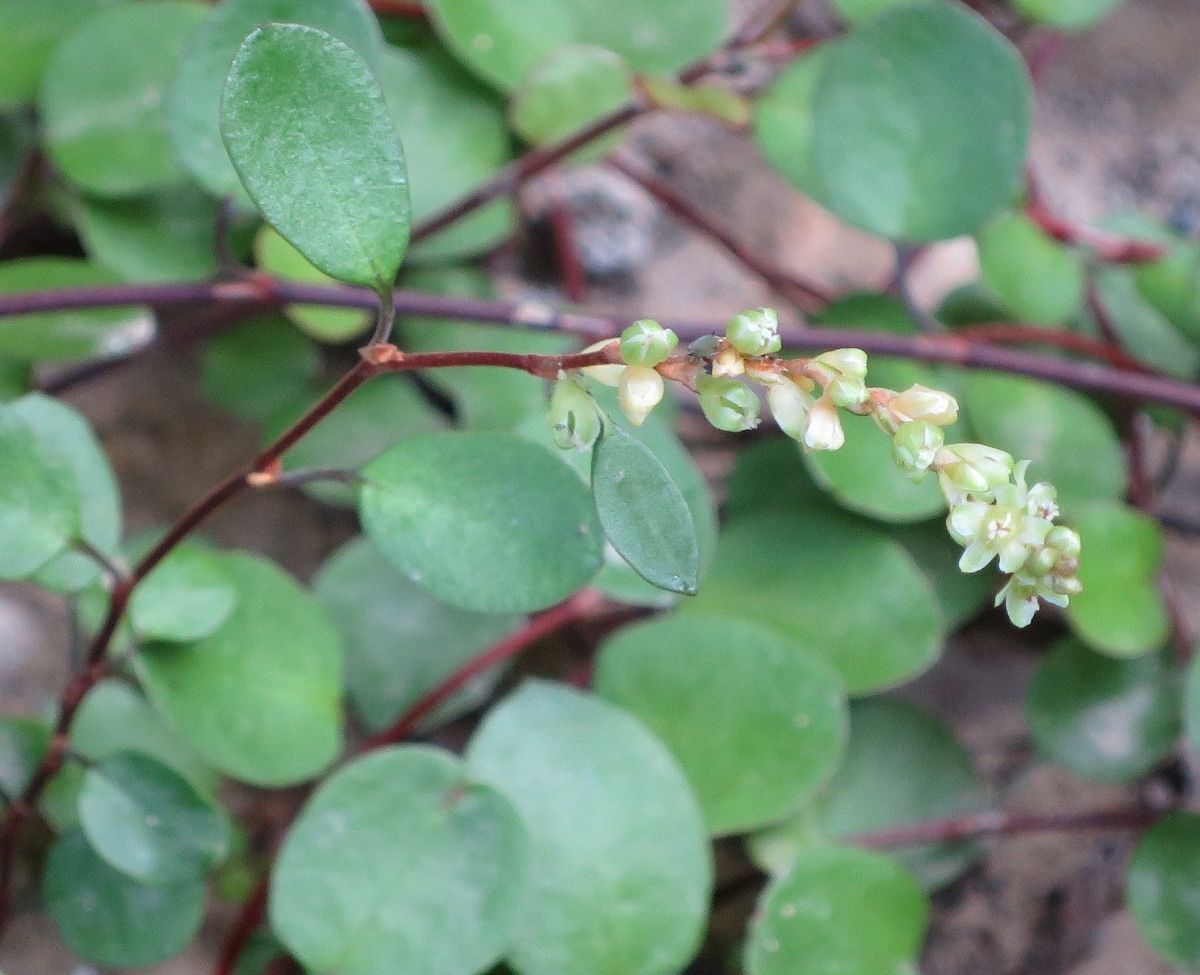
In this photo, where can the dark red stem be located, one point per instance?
(251, 916)
(1110, 247)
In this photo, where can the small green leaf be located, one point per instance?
(1036, 276)
(259, 697)
(570, 87)
(1068, 15)
(643, 513)
(110, 918)
(39, 506)
(485, 521)
(839, 911)
(313, 141)
(902, 767)
(756, 721)
(23, 742)
(401, 643)
(1120, 610)
(400, 862)
(1164, 888)
(254, 370)
(184, 598)
(102, 116)
(1172, 285)
(67, 335)
(1104, 719)
(148, 822)
(620, 868)
(28, 38)
(1142, 328)
(193, 100)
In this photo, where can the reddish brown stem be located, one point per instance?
(1004, 334)
(1110, 247)
(251, 916)
(399, 8)
(566, 248)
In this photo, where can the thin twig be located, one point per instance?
(1110, 247)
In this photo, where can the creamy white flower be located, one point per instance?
(922, 403)
(823, 426)
(789, 405)
(851, 363)
(639, 391)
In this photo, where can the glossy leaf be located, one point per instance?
(871, 130)
(502, 41)
(400, 641)
(110, 918)
(186, 597)
(1069, 439)
(836, 587)
(259, 697)
(1037, 277)
(756, 721)
(619, 864)
(28, 38)
(102, 116)
(149, 822)
(1067, 14)
(1120, 610)
(1164, 888)
(902, 766)
(839, 911)
(312, 139)
(1104, 719)
(67, 335)
(401, 861)
(570, 87)
(484, 521)
(255, 369)
(193, 100)
(643, 513)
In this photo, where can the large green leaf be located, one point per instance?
(401, 862)
(259, 697)
(839, 911)
(27, 39)
(110, 918)
(835, 586)
(485, 521)
(756, 721)
(903, 766)
(1120, 610)
(312, 139)
(872, 130)
(1164, 888)
(620, 870)
(1105, 719)
(184, 598)
(66, 335)
(1035, 275)
(102, 115)
(401, 642)
(502, 41)
(193, 100)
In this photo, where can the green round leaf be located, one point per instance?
(839, 912)
(502, 41)
(834, 586)
(27, 39)
(255, 369)
(149, 822)
(298, 94)
(1035, 275)
(112, 919)
(620, 868)
(1142, 328)
(902, 766)
(643, 513)
(570, 87)
(400, 862)
(23, 742)
(193, 100)
(67, 335)
(259, 697)
(485, 521)
(960, 595)
(756, 722)
(1172, 285)
(858, 10)
(872, 130)
(401, 643)
(102, 115)
(1104, 719)
(186, 597)
(1067, 14)
(1164, 888)
(39, 504)
(1069, 439)
(1120, 610)
(276, 256)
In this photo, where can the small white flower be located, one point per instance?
(639, 391)
(851, 363)
(922, 403)
(789, 405)
(823, 427)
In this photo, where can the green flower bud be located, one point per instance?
(646, 343)
(915, 445)
(729, 404)
(1066, 585)
(1064, 539)
(974, 467)
(574, 416)
(639, 391)
(847, 391)
(851, 363)
(1042, 562)
(755, 332)
(789, 405)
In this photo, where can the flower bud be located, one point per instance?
(728, 362)
(851, 363)
(846, 391)
(646, 343)
(573, 417)
(729, 404)
(789, 405)
(915, 445)
(609, 375)
(1064, 540)
(755, 332)
(974, 467)
(823, 428)
(639, 391)
(922, 403)
(1066, 585)
(1042, 561)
